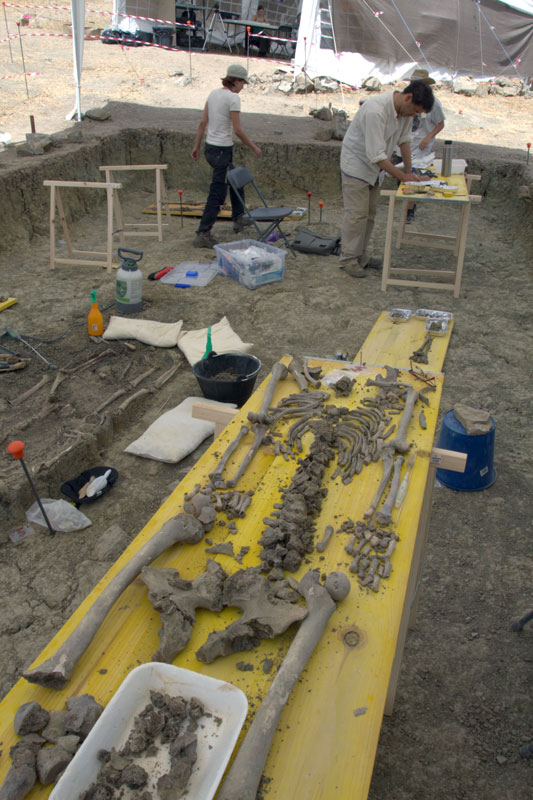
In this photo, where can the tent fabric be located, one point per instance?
(388, 38)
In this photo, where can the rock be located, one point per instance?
(506, 91)
(524, 192)
(324, 134)
(372, 84)
(37, 148)
(69, 743)
(341, 126)
(465, 85)
(324, 113)
(30, 717)
(18, 782)
(50, 762)
(111, 543)
(473, 420)
(482, 89)
(82, 714)
(185, 81)
(55, 729)
(97, 114)
(325, 85)
(302, 84)
(285, 87)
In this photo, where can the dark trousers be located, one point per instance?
(219, 158)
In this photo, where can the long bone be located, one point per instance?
(400, 443)
(232, 446)
(56, 671)
(388, 459)
(279, 373)
(308, 372)
(244, 776)
(384, 514)
(259, 430)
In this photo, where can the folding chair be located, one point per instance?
(238, 178)
(284, 32)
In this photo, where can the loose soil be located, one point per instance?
(463, 705)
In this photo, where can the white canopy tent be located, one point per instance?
(350, 40)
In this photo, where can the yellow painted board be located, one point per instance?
(459, 196)
(392, 343)
(9, 301)
(196, 210)
(322, 749)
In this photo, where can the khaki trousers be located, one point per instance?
(360, 201)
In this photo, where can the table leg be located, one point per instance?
(411, 594)
(401, 229)
(462, 234)
(388, 244)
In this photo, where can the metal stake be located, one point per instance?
(16, 449)
(7, 32)
(308, 208)
(180, 192)
(321, 206)
(23, 64)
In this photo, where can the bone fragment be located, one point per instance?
(400, 444)
(422, 420)
(321, 546)
(259, 430)
(263, 616)
(279, 372)
(229, 450)
(296, 370)
(387, 458)
(177, 600)
(308, 372)
(384, 514)
(244, 776)
(55, 672)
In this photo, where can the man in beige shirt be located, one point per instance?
(381, 124)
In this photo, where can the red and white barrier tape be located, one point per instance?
(27, 74)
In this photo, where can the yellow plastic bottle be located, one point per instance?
(95, 319)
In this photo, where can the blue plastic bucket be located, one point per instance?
(479, 472)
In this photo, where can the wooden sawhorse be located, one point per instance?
(56, 201)
(456, 243)
(141, 228)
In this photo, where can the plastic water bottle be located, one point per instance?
(128, 297)
(95, 320)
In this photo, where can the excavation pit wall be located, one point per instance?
(293, 163)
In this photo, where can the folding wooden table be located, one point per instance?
(326, 742)
(456, 243)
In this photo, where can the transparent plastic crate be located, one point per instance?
(250, 262)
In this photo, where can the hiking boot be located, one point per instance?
(240, 222)
(373, 263)
(410, 215)
(204, 239)
(354, 270)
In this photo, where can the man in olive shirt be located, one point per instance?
(381, 124)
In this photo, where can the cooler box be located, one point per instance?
(250, 262)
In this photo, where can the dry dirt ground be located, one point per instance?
(463, 706)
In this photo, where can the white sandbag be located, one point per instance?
(175, 433)
(223, 340)
(159, 334)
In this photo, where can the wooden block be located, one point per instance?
(204, 409)
(448, 459)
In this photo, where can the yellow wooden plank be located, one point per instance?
(322, 749)
(392, 343)
(7, 302)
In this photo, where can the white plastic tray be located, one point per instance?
(204, 274)
(216, 739)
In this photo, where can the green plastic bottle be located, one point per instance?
(209, 344)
